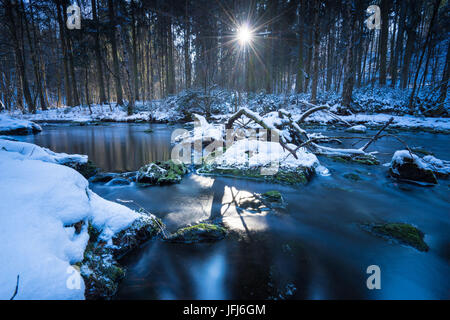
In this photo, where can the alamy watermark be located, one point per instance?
(374, 20)
(250, 147)
(374, 280)
(73, 17)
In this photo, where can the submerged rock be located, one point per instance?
(352, 176)
(202, 232)
(166, 172)
(272, 196)
(119, 181)
(367, 159)
(402, 232)
(409, 167)
(103, 177)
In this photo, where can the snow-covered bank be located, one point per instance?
(46, 210)
(149, 111)
(406, 122)
(10, 125)
(372, 107)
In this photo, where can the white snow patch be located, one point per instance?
(40, 199)
(8, 124)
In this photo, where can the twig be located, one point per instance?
(17, 288)
(375, 137)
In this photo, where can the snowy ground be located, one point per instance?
(41, 200)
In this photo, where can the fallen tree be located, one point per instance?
(289, 132)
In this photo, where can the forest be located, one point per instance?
(127, 51)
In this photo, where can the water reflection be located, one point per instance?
(113, 147)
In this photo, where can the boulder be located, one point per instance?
(166, 172)
(357, 129)
(202, 232)
(407, 166)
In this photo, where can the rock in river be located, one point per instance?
(407, 166)
(202, 232)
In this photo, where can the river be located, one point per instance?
(314, 249)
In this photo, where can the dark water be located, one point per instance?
(314, 249)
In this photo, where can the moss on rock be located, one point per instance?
(100, 270)
(202, 232)
(87, 169)
(161, 172)
(300, 175)
(273, 196)
(403, 233)
(362, 159)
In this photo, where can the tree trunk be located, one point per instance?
(98, 54)
(112, 37)
(11, 14)
(316, 52)
(385, 4)
(347, 88)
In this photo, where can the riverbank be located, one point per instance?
(47, 221)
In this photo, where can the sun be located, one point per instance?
(244, 35)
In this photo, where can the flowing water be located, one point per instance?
(313, 249)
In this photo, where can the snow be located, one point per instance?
(29, 151)
(406, 121)
(8, 124)
(357, 129)
(439, 166)
(256, 153)
(40, 200)
(400, 155)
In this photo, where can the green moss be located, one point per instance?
(199, 233)
(403, 233)
(273, 195)
(162, 172)
(362, 159)
(283, 176)
(421, 150)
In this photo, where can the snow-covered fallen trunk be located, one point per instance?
(45, 211)
(10, 125)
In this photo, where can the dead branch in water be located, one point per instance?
(376, 136)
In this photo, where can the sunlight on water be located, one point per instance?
(241, 210)
(209, 276)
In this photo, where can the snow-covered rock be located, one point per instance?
(440, 167)
(407, 166)
(357, 129)
(45, 211)
(10, 125)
